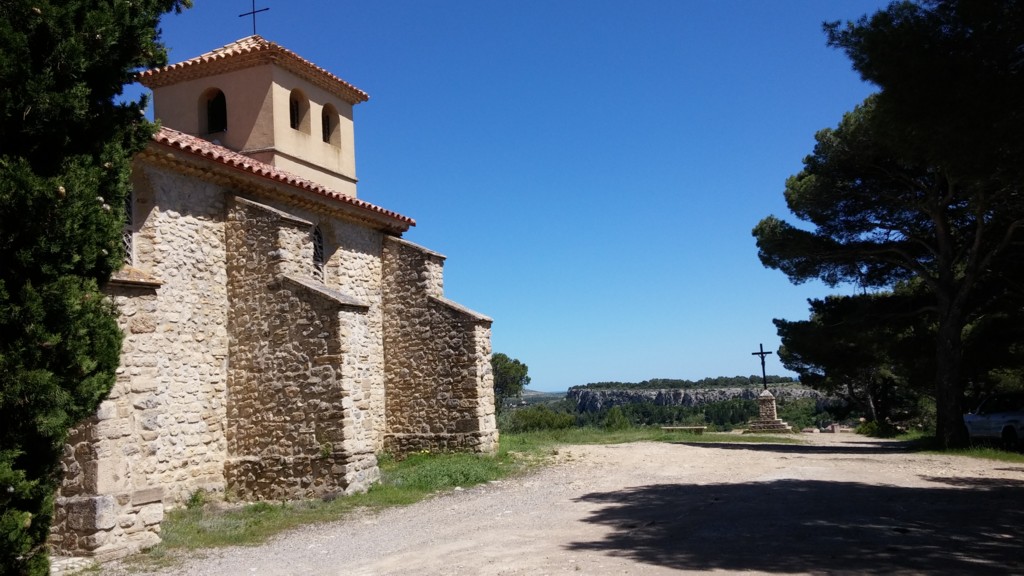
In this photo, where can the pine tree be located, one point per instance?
(922, 182)
(65, 151)
(510, 377)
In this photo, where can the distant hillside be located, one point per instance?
(595, 400)
(539, 397)
(705, 383)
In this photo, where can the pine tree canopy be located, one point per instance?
(923, 182)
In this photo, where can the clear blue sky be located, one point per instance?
(591, 168)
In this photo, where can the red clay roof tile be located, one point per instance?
(246, 52)
(211, 151)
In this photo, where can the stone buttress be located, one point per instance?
(297, 428)
(428, 338)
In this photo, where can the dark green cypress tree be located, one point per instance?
(65, 151)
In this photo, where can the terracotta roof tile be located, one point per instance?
(251, 51)
(211, 151)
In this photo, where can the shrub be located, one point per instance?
(727, 414)
(614, 419)
(804, 413)
(196, 499)
(66, 142)
(538, 417)
(877, 429)
(925, 421)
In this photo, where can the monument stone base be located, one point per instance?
(767, 421)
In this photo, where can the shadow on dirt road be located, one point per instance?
(959, 526)
(847, 448)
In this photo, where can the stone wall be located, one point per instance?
(353, 266)
(297, 427)
(159, 436)
(243, 376)
(437, 365)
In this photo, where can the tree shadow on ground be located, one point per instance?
(963, 526)
(866, 447)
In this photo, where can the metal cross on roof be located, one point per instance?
(253, 13)
(762, 354)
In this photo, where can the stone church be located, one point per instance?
(279, 332)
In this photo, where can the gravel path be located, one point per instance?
(835, 504)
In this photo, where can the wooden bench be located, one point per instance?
(691, 429)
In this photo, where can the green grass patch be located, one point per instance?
(427, 473)
(989, 453)
(993, 451)
(210, 525)
(917, 441)
(544, 440)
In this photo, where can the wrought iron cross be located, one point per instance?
(762, 354)
(253, 13)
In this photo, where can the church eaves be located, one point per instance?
(197, 147)
(247, 52)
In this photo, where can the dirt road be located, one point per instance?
(835, 504)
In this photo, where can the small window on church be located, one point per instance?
(127, 231)
(298, 111)
(216, 112)
(331, 130)
(318, 254)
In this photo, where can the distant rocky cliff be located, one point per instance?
(594, 400)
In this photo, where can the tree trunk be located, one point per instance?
(871, 404)
(949, 389)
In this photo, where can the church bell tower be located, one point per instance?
(259, 99)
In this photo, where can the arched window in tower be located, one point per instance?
(325, 124)
(216, 112)
(298, 111)
(127, 231)
(330, 127)
(318, 254)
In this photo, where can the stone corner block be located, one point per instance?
(148, 495)
(90, 514)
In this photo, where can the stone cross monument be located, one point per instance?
(762, 354)
(767, 420)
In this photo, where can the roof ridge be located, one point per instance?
(213, 62)
(255, 40)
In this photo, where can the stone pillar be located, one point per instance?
(106, 507)
(766, 406)
(767, 420)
